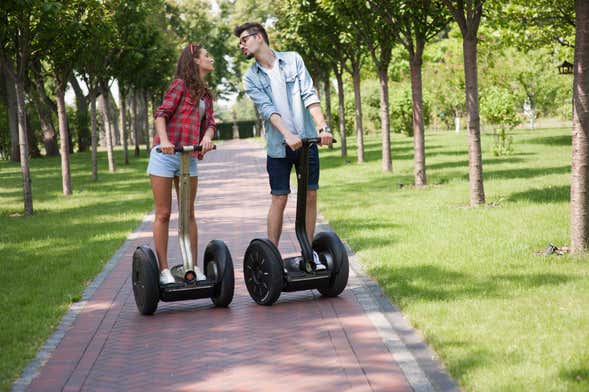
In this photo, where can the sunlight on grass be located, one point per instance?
(49, 258)
(501, 316)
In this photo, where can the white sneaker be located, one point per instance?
(166, 277)
(199, 274)
(318, 265)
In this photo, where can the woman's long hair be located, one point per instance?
(189, 72)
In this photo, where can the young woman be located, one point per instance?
(184, 118)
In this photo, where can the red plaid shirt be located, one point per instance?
(183, 117)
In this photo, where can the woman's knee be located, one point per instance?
(162, 216)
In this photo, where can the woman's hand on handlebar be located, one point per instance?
(207, 144)
(167, 147)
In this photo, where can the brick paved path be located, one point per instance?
(302, 343)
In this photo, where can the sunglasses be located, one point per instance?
(243, 39)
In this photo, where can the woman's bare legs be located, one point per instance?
(162, 200)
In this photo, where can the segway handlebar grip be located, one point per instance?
(185, 148)
(309, 140)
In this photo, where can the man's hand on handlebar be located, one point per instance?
(293, 141)
(326, 138)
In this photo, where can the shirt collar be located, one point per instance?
(279, 57)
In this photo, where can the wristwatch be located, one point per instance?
(325, 129)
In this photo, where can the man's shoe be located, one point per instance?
(166, 277)
(318, 265)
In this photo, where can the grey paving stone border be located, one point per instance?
(417, 361)
(34, 367)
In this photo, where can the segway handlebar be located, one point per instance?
(185, 148)
(311, 140)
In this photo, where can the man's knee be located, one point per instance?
(279, 201)
(311, 196)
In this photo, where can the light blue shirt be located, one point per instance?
(300, 93)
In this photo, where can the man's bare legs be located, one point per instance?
(276, 214)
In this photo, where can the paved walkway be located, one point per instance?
(356, 342)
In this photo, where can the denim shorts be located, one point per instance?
(279, 170)
(167, 165)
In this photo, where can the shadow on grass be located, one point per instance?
(561, 140)
(432, 283)
(366, 234)
(525, 173)
(577, 376)
(550, 194)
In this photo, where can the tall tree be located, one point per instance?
(12, 107)
(60, 40)
(19, 25)
(468, 13)
(298, 26)
(580, 159)
(414, 23)
(351, 37)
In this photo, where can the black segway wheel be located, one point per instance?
(218, 267)
(329, 247)
(145, 277)
(262, 271)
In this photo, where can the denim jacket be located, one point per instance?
(301, 94)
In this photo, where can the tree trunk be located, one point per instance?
(114, 121)
(341, 114)
(385, 127)
(93, 135)
(107, 126)
(259, 122)
(48, 129)
(358, 104)
(84, 137)
(145, 119)
(477, 192)
(24, 148)
(418, 126)
(12, 116)
(123, 118)
(580, 159)
(66, 181)
(134, 121)
(327, 90)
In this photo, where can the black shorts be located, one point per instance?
(279, 170)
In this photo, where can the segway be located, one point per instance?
(267, 274)
(218, 265)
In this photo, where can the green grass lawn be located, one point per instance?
(501, 317)
(48, 259)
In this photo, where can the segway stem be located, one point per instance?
(301, 216)
(184, 213)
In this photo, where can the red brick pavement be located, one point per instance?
(302, 343)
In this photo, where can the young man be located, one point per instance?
(282, 89)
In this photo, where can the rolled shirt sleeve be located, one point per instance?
(259, 97)
(308, 93)
(171, 99)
